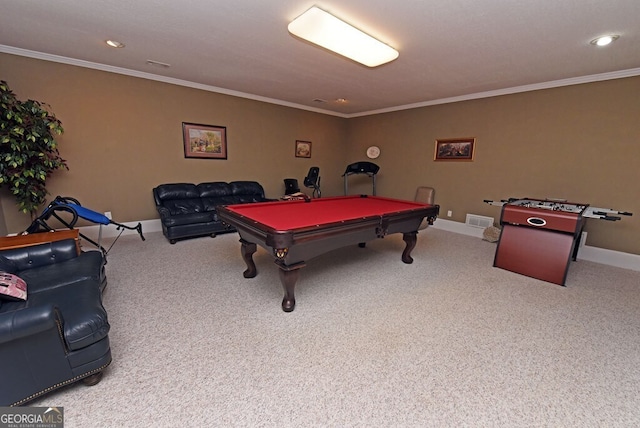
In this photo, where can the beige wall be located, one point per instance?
(123, 137)
(579, 143)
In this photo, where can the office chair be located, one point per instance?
(291, 186)
(312, 180)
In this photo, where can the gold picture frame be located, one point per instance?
(204, 141)
(455, 149)
(303, 149)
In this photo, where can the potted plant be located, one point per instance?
(28, 149)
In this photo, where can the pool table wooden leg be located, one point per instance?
(247, 251)
(411, 239)
(289, 276)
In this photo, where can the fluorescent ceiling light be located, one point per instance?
(324, 29)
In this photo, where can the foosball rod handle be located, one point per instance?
(605, 211)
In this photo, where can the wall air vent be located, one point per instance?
(479, 221)
(158, 63)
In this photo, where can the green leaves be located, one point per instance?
(28, 150)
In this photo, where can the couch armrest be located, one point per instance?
(164, 212)
(27, 322)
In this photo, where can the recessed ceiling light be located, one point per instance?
(114, 44)
(341, 100)
(604, 40)
(324, 29)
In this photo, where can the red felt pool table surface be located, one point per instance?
(291, 215)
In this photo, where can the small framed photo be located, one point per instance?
(303, 149)
(204, 141)
(456, 149)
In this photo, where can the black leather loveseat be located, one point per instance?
(188, 210)
(59, 334)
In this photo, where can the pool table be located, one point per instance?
(298, 230)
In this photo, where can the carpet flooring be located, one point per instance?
(448, 341)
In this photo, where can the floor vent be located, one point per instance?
(480, 221)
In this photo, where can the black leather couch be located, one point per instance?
(189, 210)
(59, 335)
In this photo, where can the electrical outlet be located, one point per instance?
(449, 213)
(107, 214)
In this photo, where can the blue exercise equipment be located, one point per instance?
(60, 209)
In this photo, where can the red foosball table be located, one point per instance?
(540, 237)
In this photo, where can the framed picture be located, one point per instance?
(456, 149)
(204, 141)
(303, 149)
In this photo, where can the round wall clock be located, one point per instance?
(373, 152)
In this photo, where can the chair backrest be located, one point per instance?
(425, 195)
(291, 186)
(312, 178)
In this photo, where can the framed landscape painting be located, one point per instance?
(204, 141)
(456, 149)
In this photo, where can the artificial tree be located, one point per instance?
(28, 149)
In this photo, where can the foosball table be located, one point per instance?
(540, 237)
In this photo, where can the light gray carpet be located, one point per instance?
(449, 341)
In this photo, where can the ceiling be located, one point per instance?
(449, 50)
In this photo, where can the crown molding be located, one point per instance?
(149, 76)
(488, 94)
(514, 90)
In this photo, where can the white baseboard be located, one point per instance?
(610, 257)
(457, 227)
(111, 230)
(586, 252)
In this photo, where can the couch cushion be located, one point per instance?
(8, 266)
(199, 217)
(43, 254)
(216, 193)
(211, 204)
(176, 191)
(214, 189)
(87, 266)
(247, 191)
(247, 188)
(184, 206)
